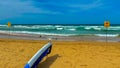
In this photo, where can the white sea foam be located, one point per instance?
(35, 27)
(65, 30)
(42, 27)
(118, 27)
(1, 31)
(21, 26)
(71, 29)
(93, 27)
(114, 28)
(43, 33)
(59, 28)
(87, 28)
(3, 25)
(108, 35)
(96, 28)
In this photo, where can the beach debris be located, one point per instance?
(40, 36)
(50, 39)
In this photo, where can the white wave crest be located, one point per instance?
(21, 26)
(97, 28)
(42, 33)
(60, 28)
(71, 29)
(108, 35)
(3, 25)
(87, 28)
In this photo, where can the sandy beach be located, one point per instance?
(60, 33)
(14, 53)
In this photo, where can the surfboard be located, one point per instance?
(35, 60)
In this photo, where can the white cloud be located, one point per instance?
(95, 4)
(14, 8)
(74, 7)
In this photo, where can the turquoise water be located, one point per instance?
(62, 30)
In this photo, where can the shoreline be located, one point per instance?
(58, 38)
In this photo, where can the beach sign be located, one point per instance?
(9, 24)
(35, 60)
(106, 24)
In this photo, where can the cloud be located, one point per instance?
(67, 6)
(56, 7)
(95, 4)
(14, 8)
(51, 6)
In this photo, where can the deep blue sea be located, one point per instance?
(62, 30)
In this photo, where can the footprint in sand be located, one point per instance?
(84, 65)
(22, 50)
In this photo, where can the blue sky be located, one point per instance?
(59, 11)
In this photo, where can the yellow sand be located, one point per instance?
(16, 53)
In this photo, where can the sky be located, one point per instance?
(59, 11)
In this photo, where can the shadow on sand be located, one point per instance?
(48, 61)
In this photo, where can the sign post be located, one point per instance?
(106, 25)
(9, 25)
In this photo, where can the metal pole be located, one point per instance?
(106, 34)
(9, 32)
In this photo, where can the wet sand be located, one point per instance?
(14, 53)
(58, 38)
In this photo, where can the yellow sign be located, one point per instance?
(106, 24)
(9, 24)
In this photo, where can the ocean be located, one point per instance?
(63, 30)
